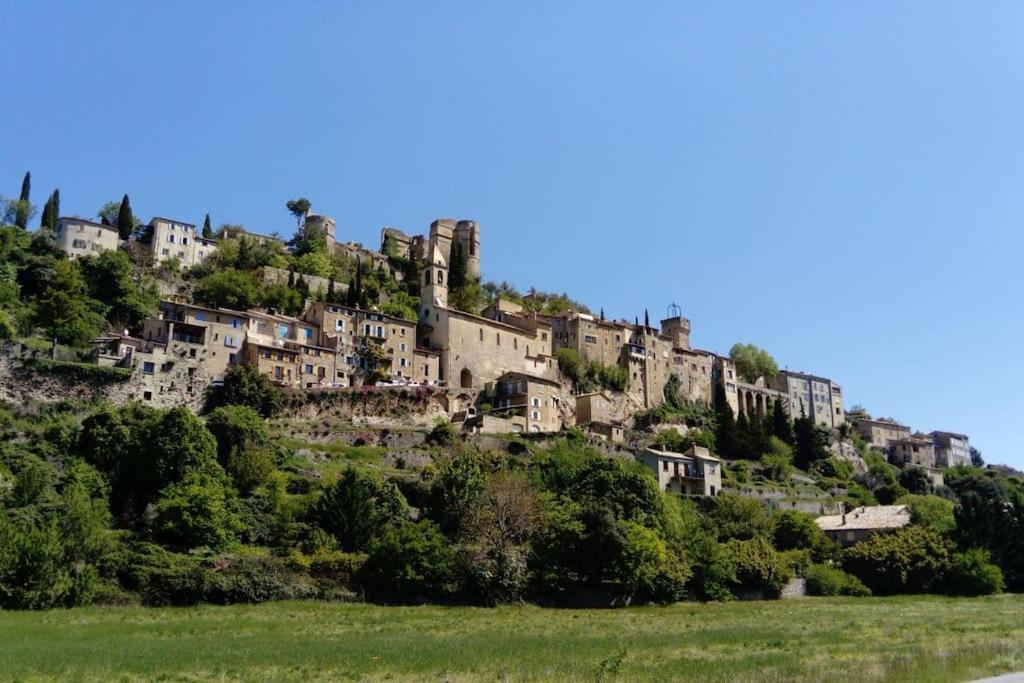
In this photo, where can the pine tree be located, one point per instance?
(330, 290)
(125, 220)
(207, 228)
(22, 213)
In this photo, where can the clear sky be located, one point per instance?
(839, 183)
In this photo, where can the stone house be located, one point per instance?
(695, 472)
(594, 411)
(951, 449)
(862, 523)
(881, 433)
(916, 449)
(811, 396)
(177, 239)
(530, 403)
(218, 335)
(78, 237)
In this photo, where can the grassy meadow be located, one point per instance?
(871, 639)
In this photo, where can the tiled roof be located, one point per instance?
(874, 517)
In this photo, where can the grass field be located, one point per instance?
(872, 639)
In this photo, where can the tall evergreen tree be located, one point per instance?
(781, 425)
(602, 314)
(291, 278)
(125, 220)
(54, 209)
(22, 213)
(46, 218)
(457, 268)
(207, 228)
(330, 290)
(725, 431)
(647, 319)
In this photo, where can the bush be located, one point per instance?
(443, 434)
(972, 573)
(412, 562)
(79, 372)
(795, 530)
(909, 560)
(358, 508)
(227, 581)
(825, 580)
(757, 568)
(198, 511)
(245, 385)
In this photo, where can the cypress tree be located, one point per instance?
(46, 219)
(359, 284)
(602, 314)
(330, 290)
(21, 214)
(457, 268)
(725, 432)
(55, 208)
(291, 278)
(125, 220)
(207, 228)
(781, 427)
(647, 319)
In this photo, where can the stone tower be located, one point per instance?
(467, 234)
(434, 290)
(326, 223)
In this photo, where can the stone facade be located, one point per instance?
(881, 433)
(444, 233)
(951, 449)
(531, 403)
(811, 396)
(915, 450)
(695, 472)
(78, 237)
(176, 239)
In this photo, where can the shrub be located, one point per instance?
(834, 468)
(227, 581)
(412, 562)
(79, 372)
(359, 507)
(443, 434)
(825, 580)
(757, 568)
(972, 573)
(908, 560)
(198, 511)
(797, 530)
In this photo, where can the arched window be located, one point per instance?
(466, 379)
(440, 277)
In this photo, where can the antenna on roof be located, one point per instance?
(674, 310)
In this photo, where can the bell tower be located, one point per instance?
(434, 289)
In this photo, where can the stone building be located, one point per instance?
(444, 233)
(530, 403)
(474, 350)
(881, 433)
(695, 472)
(214, 335)
(951, 449)
(811, 396)
(595, 412)
(862, 523)
(78, 237)
(177, 239)
(916, 449)
(759, 400)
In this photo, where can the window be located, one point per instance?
(535, 415)
(366, 329)
(535, 402)
(380, 331)
(201, 316)
(184, 240)
(402, 346)
(339, 325)
(402, 362)
(79, 244)
(308, 331)
(309, 369)
(481, 334)
(590, 339)
(148, 368)
(664, 465)
(170, 238)
(165, 252)
(147, 395)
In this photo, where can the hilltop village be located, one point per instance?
(505, 366)
(191, 414)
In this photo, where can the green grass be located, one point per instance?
(871, 639)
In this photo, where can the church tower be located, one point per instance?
(434, 291)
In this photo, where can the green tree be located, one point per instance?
(777, 462)
(781, 424)
(358, 508)
(110, 279)
(228, 288)
(972, 573)
(455, 490)
(725, 432)
(910, 560)
(457, 269)
(812, 443)
(299, 208)
(245, 385)
(22, 213)
(795, 530)
(199, 510)
(242, 445)
(64, 310)
(412, 562)
(107, 214)
(752, 362)
(207, 228)
(178, 442)
(737, 517)
(125, 219)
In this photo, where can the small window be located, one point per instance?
(148, 368)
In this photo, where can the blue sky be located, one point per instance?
(839, 183)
